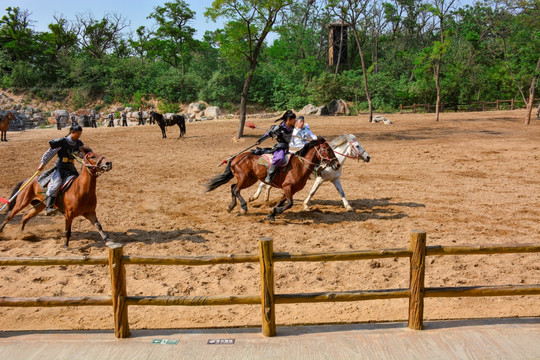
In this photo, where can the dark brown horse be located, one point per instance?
(79, 200)
(4, 125)
(291, 178)
(179, 120)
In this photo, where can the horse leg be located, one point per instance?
(21, 202)
(337, 184)
(69, 220)
(163, 133)
(232, 204)
(236, 195)
(179, 128)
(33, 212)
(257, 193)
(284, 204)
(93, 219)
(318, 181)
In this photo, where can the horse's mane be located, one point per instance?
(303, 151)
(342, 139)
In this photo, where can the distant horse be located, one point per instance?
(78, 200)
(344, 146)
(291, 178)
(4, 125)
(179, 120)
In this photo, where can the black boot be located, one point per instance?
(270, 174)
(50, 210)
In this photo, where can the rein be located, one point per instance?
(303, 160)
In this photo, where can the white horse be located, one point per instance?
(344, 146)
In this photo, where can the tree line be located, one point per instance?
(397, 52)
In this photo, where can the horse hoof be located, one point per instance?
(271, 217)
(243, 211)
(307, 208)
(349, 208)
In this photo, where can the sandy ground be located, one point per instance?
(472, 178)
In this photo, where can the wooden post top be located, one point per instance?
(261, 239)
(113, 245)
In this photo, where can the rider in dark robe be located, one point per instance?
(65, 148)
(282, 133)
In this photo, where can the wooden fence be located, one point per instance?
(472, 106)
(416, 292)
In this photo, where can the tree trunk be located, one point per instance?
(243, 102)
(438, 86)
(364, 73)
(530, 103)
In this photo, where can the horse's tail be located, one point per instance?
(15, 189)
(220, 179)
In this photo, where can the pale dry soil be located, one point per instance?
(470, 179)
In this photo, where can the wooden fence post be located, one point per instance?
(512, 104)
(266, 251)
(119, 292)
(417, 270)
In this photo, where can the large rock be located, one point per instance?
(338, 107)
(380, 118)
(212, 112)
(322, 111)
(308, 110)
(61, 113)
(194, 108)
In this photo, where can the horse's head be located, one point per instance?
(356, 149)
(326, 154)
(96, 164)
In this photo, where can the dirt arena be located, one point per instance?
(472, 178)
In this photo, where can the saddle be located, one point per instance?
(266, 159)
(46, 177)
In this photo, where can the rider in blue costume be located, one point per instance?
(282, 133)
(65, 147)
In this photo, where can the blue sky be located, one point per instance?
(135, 11)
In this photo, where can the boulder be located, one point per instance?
(322, 111)
(380, 118)
(338, 107)
(308, 110)
(194, 108)
(61, 113)
(212, 112)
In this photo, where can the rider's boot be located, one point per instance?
(50, 210)
(270, 174)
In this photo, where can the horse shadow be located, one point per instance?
(365, 209)
(132, 236)
(123, 237)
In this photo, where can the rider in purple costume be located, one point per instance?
(282, 133)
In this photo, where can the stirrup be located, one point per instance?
(50, 211)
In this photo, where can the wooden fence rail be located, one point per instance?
(416, 292)
(511, 104)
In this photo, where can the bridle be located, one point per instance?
(93, 169)
(354, 150)
(325, 158)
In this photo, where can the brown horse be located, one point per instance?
(78, 200)
(291, 178)
(4, 125)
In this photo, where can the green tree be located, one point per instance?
(173, 37)
(249, 22)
